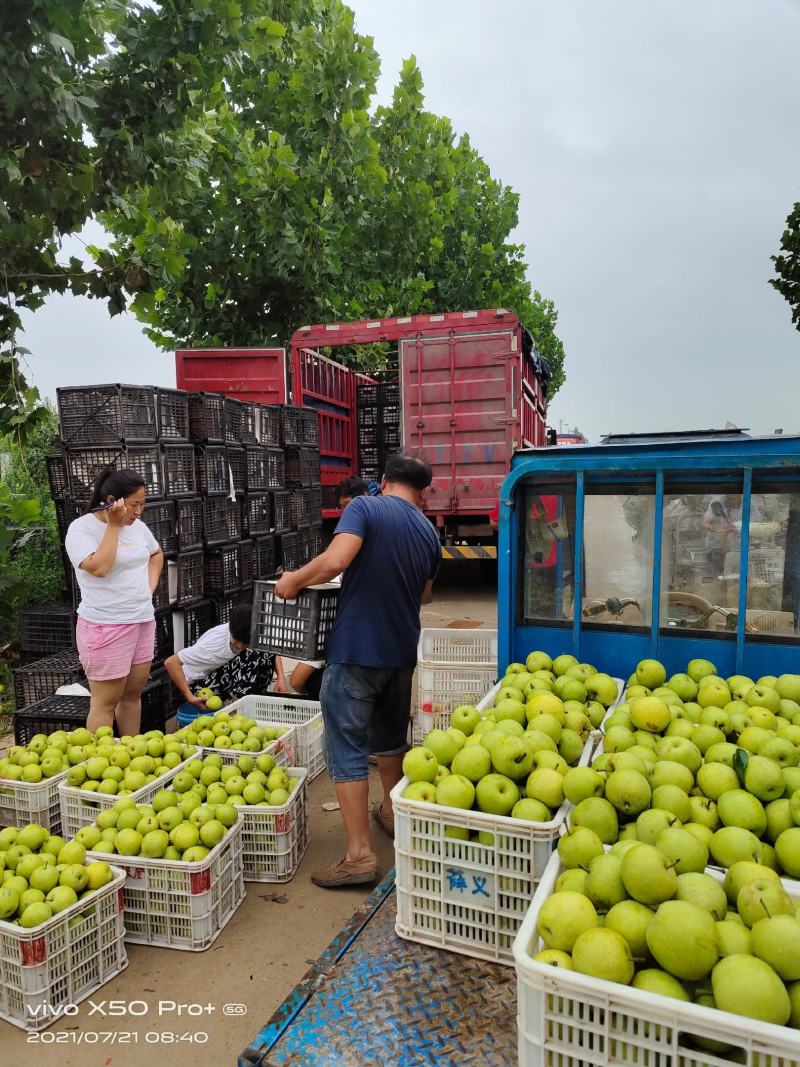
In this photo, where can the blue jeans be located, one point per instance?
(365, 710)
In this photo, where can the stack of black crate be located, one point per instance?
(301, 536)
(378, 426)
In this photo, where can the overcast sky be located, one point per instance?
(656, 150)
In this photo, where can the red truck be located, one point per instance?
(472, 390)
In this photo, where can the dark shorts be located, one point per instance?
(365, 710)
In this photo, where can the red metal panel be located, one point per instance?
(460, 411)
(370, 331)
(330, 387)
(254, 374)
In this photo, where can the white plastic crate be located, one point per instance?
(450, 647)
(441, 689)
(283, 749)
(80, 807)
(573, 1020)
(275, 839)
(56, 964)
(25, 802)
(462, 895)
(304, 715)
(182, 905)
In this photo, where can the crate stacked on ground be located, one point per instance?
(453, 667)
(304, 715)
(378, 427)
(298, 518)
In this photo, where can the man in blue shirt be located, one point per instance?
(389, 554)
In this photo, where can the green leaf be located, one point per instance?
(741, 758)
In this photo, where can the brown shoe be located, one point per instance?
(386, 823)
(347, 872)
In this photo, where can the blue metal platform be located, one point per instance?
(373, 998)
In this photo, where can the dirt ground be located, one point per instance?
(259, 956)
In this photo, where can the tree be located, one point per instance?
(787, 265)
(247, 188)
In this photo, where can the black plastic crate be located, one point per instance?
(256, 468)
(270, 425)
(256, 514)
(315, 504)
(315, 541)
(222, 573)
(281, 515)
(207, 418)
(161, 594)
(225, 604)
(233, 421)
(248, 423)
(56, 475)
(302, 467)
(298, 628)
(237, 469)
(330, 500)
(47, 628)
(156, 707)
(369, 464)
(160, 518)
(299, 425)
(190, 621)
(85, 465)
(292, 550)
(172, 407)
(179, 470)
(265, 557)
(165, 641)
(48, 715)
(222, 520)
(107, 415)
(369, 436)
(66, 512)
(389, 397)
(390, 437)
(299, 508)
(211, 465)
(190, 523)
(186, 577)
(40, 679)
(247, 563)
(368, 406)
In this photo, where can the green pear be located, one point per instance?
(731, 844)
(631, 919)
(597, 814)
(714, 779)
(764, 779)
(776, 941)
(673, 798)
(604, 883)
(733, 939)
(748, 986)
(563, 918)
(682, 938)
(652, 823)
(787, 848)
(648, 876)
(578, 847)
(667, 772)
(763, 898)
(739, 874)
(651, 980)
(603, 953)
(574, 879)
(628, 791)
(683, 850)
(580, 783)
(703, 891)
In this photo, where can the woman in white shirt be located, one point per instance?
(117, 564)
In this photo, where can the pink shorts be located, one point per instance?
(107, 651)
